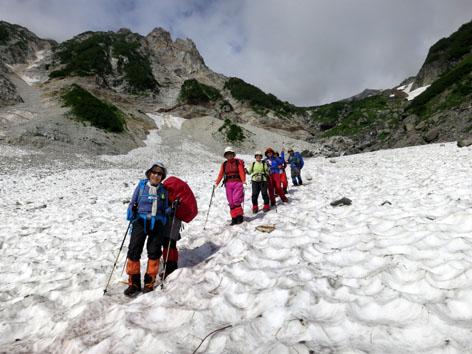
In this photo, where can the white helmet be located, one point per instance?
(258, 153)
(229, 149)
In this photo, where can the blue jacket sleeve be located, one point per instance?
(134, 198)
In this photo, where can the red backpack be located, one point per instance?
(188, 209)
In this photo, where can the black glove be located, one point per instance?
(176, 203)
(134, 208)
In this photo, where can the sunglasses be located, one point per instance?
(159, 173)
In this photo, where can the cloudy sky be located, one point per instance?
(307, 52)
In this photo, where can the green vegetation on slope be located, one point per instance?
(258, 100)
(87, 107)
(137, 68)
(233, 132)
(351, 118)
(446, 92)
(92, 56)
(452, 48)
(4, 34)
(194, 92)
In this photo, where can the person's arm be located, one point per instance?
(242, 174)
(220, 176)
(134, 199)
(251, 167)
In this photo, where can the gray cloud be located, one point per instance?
(307, 52)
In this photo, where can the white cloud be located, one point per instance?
(304, 51)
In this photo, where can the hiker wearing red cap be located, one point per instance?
(275, 176)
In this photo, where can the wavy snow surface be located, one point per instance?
(373, 277)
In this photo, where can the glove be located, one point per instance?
(176, 203)
(134, 208)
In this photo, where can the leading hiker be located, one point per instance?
(148, 209)
(234, 177)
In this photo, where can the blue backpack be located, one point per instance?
(298, 155)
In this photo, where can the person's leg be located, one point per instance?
(229, 196)
(265, 196)
(238, 199)
(133, 266)
(270, 188)
(154, 245)
(255, 195)
(278, 187)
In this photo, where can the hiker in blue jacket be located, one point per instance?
(148, 211)
(295, 160)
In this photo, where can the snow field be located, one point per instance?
(388, 274)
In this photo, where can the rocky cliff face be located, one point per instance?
(131, 75)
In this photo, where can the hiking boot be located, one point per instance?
(239, 219)
(134, 285)
(295, 183)
(285, 200)
(233, 221)
(285, 190)
(255, 209)
(148, 283)
(300, 183)
(272, 204)
(266, 208)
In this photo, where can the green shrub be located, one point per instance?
(456, 80)
(258, 99)
(87, 107)
(194, 92)
(87, 57)
(92, 56)
(233, 132)
(137, 69)
(4, 34)
(452, 48)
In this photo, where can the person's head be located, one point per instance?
(156, 173)
(276, 154)
(290, 151)
(269, 152)
(258, 156)
(229, 153)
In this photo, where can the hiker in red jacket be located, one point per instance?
(234, 177)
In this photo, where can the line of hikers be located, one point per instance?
(158, 207)
(268, 178)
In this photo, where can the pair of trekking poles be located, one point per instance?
(122, 243)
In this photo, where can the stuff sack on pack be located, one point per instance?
(188, 205)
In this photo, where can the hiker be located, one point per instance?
(171, 255)
(148, 210)
(275, 176)
(283, 175)
(184, 210)
(234, 177)
(296, 164)
(260, 172)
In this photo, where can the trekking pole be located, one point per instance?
(208, 212)
(168, 247)
(118, 255)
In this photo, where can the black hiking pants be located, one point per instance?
(155, 240)
(259, 187)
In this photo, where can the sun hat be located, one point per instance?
(229, 149)
(258, 153)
